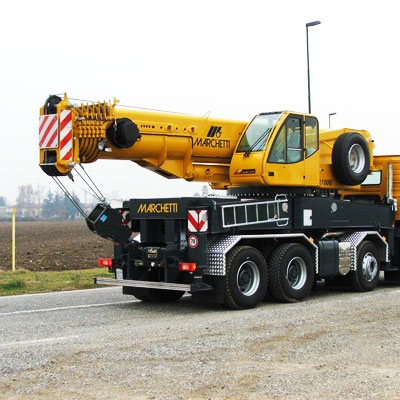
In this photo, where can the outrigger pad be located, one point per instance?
(108, 223)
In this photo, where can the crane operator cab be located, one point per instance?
(277, 149)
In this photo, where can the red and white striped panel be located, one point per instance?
(197, 220)
(66, 135)
(126, 219)
(48, 131)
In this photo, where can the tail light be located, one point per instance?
(188, 267)
(105, 262)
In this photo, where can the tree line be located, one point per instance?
(35, 203)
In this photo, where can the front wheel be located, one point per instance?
(291, 273)
(246, 279)
(365, 277)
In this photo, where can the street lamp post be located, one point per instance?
(308, 24)
(330, 119)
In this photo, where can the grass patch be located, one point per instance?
(13, 284)
(23, 281)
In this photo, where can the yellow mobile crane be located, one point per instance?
(279, 149)
(305, 204)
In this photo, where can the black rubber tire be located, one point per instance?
(239, 261)
(266, 251)
(281, 258)
(359, 282)
(164, 296)
(340, 159)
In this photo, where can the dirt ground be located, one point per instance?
(52, 245)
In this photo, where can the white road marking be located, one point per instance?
(60, 292)
(38, 341)
(66, 308)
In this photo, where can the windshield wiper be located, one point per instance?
(256, 143)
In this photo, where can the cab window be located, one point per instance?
(256, 134)
(288, 146)
(311, 136)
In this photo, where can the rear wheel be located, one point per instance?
(366, 276)
(291, 273)
(246, 279)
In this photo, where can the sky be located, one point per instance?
(231, 58)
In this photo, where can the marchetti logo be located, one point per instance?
(157, 208)
(215, 131)
(213, 139)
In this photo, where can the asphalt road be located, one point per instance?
(99, 344)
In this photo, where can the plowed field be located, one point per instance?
(52, 245)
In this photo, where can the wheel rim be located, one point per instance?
(248, 278)
(369, 267)
(296, 273)
(356, 158)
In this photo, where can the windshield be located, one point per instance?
(257, 132)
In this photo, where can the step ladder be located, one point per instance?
(251, 213)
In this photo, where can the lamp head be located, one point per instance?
(313, 23)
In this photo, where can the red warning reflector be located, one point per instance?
(197, 221)
(105, 262)
(188, 267)
(66, 138)
(48, 131)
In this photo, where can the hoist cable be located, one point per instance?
(99, 195)
(70, 197)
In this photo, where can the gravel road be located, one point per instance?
(98, 344)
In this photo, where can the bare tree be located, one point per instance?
(38, 194)
(25, 201)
